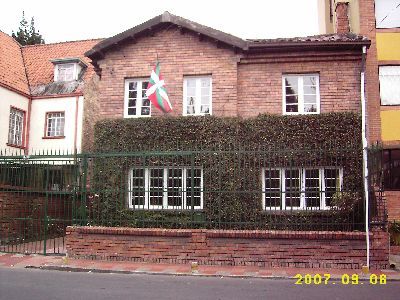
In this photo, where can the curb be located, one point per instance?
(102, 271)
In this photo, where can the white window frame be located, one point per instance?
(165, 205)
(57, 120)
(283, 191)
(198, 95)
(19, 122)
(139, 102)
(393, 101)
(300, 83)
(74, 71)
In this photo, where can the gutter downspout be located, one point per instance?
(365, 152)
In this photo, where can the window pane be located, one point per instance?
(193, 187)
(292, 108)
(310, 108)
(272, 188)
(133, 94)
(15, 130)
(292, 99)
(131, 111)
(133, 85)
(332, 184)
(132, 102)
(387, 14)
(291, 84)
(310, 90)
(205, 109)
(391, 169)
(156, 188)
(389, 85)
(309, 80)
(312, 188)
(310, 99)
(174, 187)
(136, 187)
(292, 192)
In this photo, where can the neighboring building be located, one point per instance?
(379, 20)
(41, 91)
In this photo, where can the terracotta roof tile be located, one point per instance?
(12, 71)
(38, 58)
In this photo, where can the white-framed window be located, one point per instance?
(165, 188)
(301, 94)
(300, 188)
(389, 85)
(387, 13)
(197, 96)
(16, 127)
(136, 103)
(65, 72)
(55, 124)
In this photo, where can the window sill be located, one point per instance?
(53, 137)
(15, 146)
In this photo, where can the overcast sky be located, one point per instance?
(83, 19)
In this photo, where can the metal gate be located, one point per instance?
(39, 198)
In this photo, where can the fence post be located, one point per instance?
(84, 190)
(192, 188)
(45, 209)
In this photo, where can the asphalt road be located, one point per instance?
(38, 284)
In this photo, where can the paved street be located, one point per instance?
(39, 284)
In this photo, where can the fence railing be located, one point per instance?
(238, 188)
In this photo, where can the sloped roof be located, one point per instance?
(316, 41)
(12, 70)
(39, 66)
(165, 19)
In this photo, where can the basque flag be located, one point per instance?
(156, 91)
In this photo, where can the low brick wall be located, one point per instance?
(224, 247)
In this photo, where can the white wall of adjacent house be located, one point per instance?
(10, 99)
(43, 136)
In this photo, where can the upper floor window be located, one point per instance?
(166, 188)
(68, 69)
(303, 188)
(389, 85)
(197, 96)
(55, 124)
(387, 13)
(301, 94)
(16, 127)
(136, 103)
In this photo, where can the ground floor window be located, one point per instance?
(300, 188)
(391, 169)
(166, 188)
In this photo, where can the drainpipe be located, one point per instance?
(365, 151)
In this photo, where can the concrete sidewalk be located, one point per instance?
(62, 263)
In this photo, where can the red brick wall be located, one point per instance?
(240, 87)
(180, 55)
(393, 205)
(219, 247)
(260, 84)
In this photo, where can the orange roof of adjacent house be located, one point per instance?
(38, 58)
(24, 68)
(12, 70)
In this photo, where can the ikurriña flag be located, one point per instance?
(156, 91)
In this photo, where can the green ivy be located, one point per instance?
(231, 152)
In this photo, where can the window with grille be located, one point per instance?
(55, 124)
(305, 188)
(197, 96)
(16, 127)
(389, 85)
(301, 94)
(166, 188)
(391, 169)
(136, 102)
(65, 72)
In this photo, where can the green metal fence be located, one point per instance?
(236, 188)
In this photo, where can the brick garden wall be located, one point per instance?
(22, 214)
(393, 205)
(224, 247)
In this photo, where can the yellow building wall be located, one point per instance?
(388, 45)
(390, 125)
